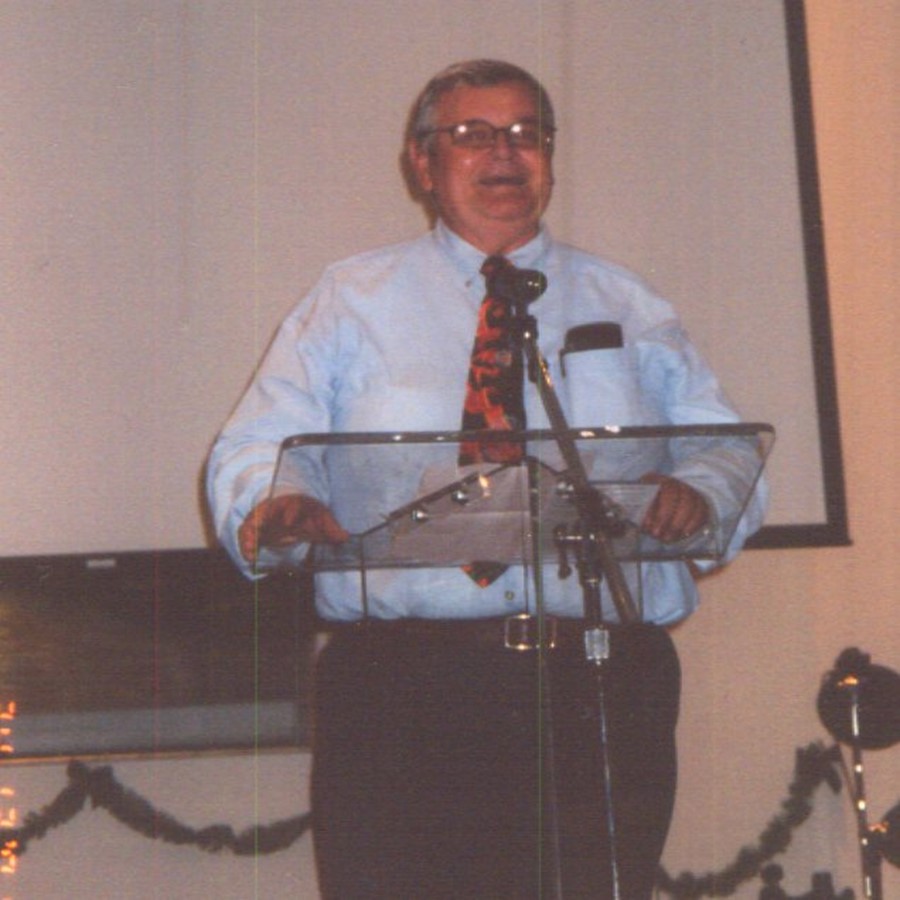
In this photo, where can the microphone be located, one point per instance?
(517, 286)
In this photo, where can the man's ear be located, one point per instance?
(420, 165)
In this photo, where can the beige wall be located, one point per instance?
(768, 629)
(772, 625)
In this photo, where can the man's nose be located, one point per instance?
(503, 145)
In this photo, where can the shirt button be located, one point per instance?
(510, 596)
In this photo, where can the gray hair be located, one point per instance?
(474, 73)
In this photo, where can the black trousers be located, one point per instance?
(463, 771)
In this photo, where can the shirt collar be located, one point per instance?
(468, 259)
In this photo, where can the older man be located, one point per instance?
(445, 763)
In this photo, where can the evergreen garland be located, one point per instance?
(104, 791)
(814, 764)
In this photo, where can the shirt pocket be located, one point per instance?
(603, 387)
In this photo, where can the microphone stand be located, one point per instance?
(599, 520)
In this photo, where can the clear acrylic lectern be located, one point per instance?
(408, 503)
(549, 496)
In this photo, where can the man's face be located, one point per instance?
(492, 197)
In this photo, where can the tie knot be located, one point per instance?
(494, 264)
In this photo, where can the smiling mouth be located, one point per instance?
(503, 181)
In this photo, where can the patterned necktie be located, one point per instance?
(494, 396)
(494, 399)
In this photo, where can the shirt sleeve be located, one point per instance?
(289, 394)
(723, 470)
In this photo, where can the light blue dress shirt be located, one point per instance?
(382, 343)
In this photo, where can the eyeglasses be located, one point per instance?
(476, 134)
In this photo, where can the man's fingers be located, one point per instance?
(286, 520)
(677, 512)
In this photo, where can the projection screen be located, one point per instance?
(177, 173)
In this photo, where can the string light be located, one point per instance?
(9, 813)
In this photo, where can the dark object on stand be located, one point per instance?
(859, 703)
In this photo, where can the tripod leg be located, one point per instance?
(550, 872)
(640, 706)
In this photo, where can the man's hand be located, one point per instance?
(289, 519)
(677, 512)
